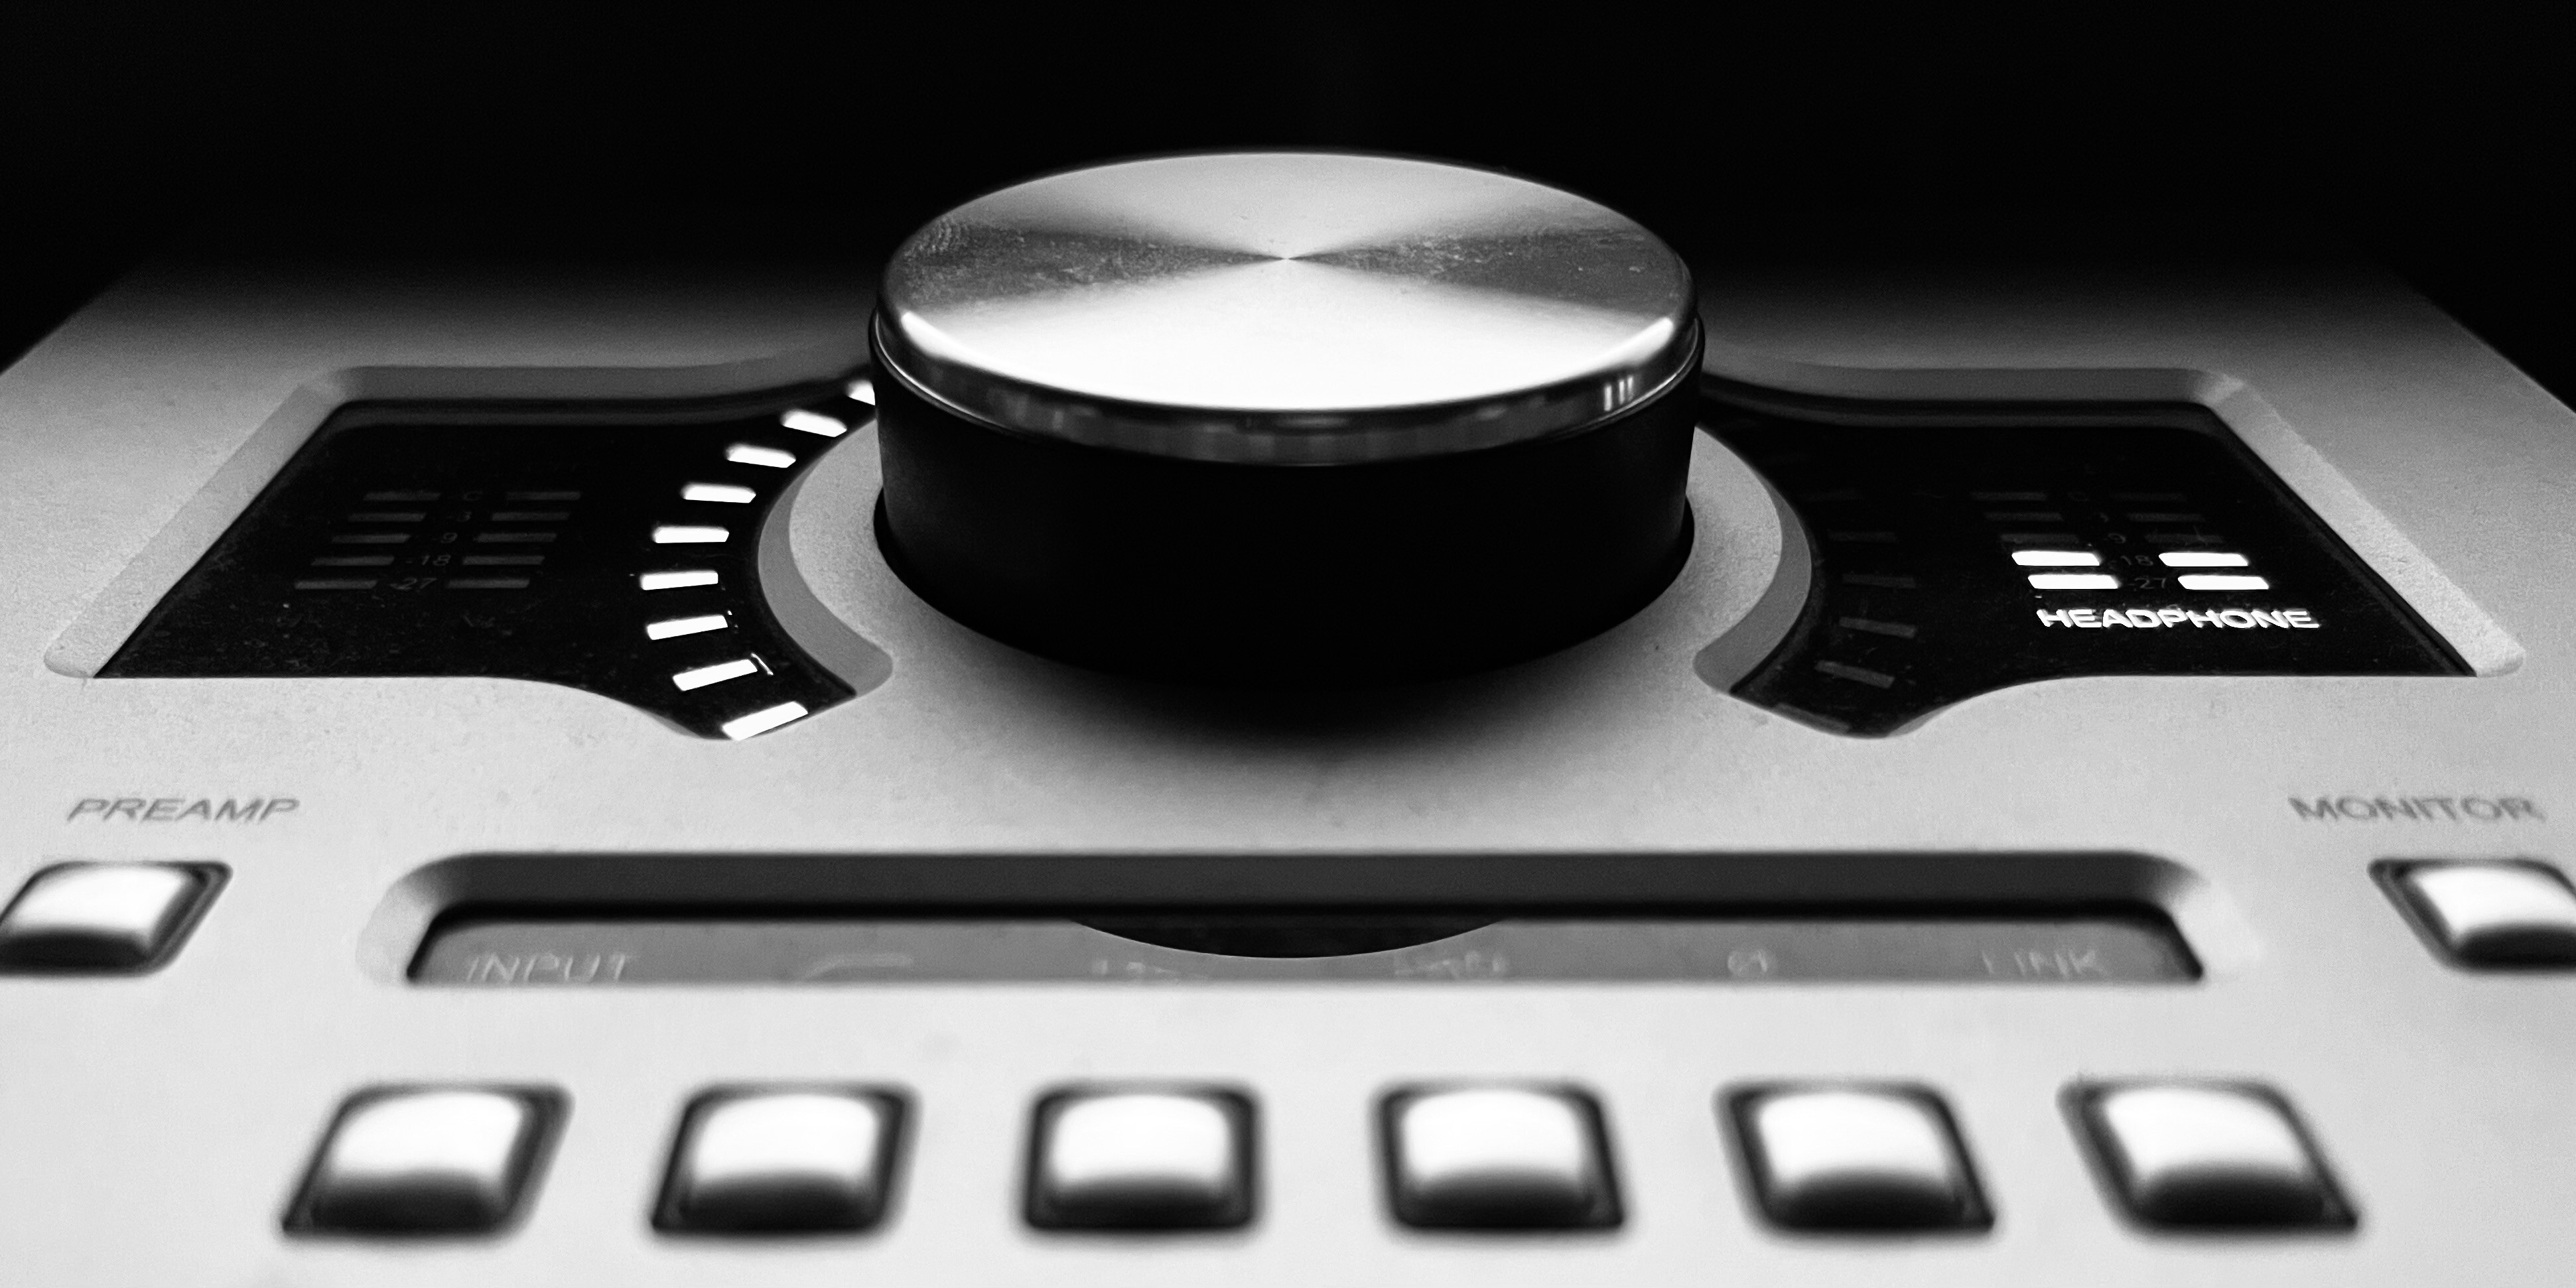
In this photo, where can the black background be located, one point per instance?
(2432, 139)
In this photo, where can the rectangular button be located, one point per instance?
(108, 917)
(1856, 1157)
(427, 1160)
(2493, 913)
(783, 1160)
(1141, 1158)
(1498, 1156)
(2207, 1155)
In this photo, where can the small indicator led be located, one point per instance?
(751, 454)
(2200, 559)
(717, 674)
(2057, 559)
(677, 626)
(2222, 581)
(723, 493)
(676, 580)
(1857, 674)
(812, 422)
(677, 535)
(2073, 581)
(763, 720)
(1897, 630)
(863, 390)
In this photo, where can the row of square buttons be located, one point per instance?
(130, 917)
(1499, 1156)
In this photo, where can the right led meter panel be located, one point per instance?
(1961, 548)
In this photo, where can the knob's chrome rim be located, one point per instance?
(1291, 308)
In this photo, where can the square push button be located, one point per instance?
(2187, 1155)
(1498, 1157)
(103, 917)
(1141, 1158)
(426, 1161)
(782, 1161)
(2492, 913)
(1857, 1158)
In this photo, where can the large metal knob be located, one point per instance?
(1285, 418)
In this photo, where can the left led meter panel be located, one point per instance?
(609, 547)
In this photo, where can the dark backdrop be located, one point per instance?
(2432, 141)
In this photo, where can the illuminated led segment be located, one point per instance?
(2222, 581)
(863, 390)
(677, 626)
(750, 454)
(1859, 674)
(763, 720)
(717, 674)
(678, 535)
(1896, 630)
(2057, 559)
(2200, 559)
(812, 422)
(678, 579)
(725, 493)
(2073, 581)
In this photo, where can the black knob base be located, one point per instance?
(1284, 576)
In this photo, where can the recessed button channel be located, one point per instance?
(1141, 1158)
(1498, 1157)
(783, 1161)
(427, 1161)
(1856, 1158)
(103, 917)
(2187, 1155)
(2490, 914)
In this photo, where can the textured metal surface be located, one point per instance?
(1289, 307)
(155, 1127)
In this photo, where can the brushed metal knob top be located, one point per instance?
(1287, 308)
